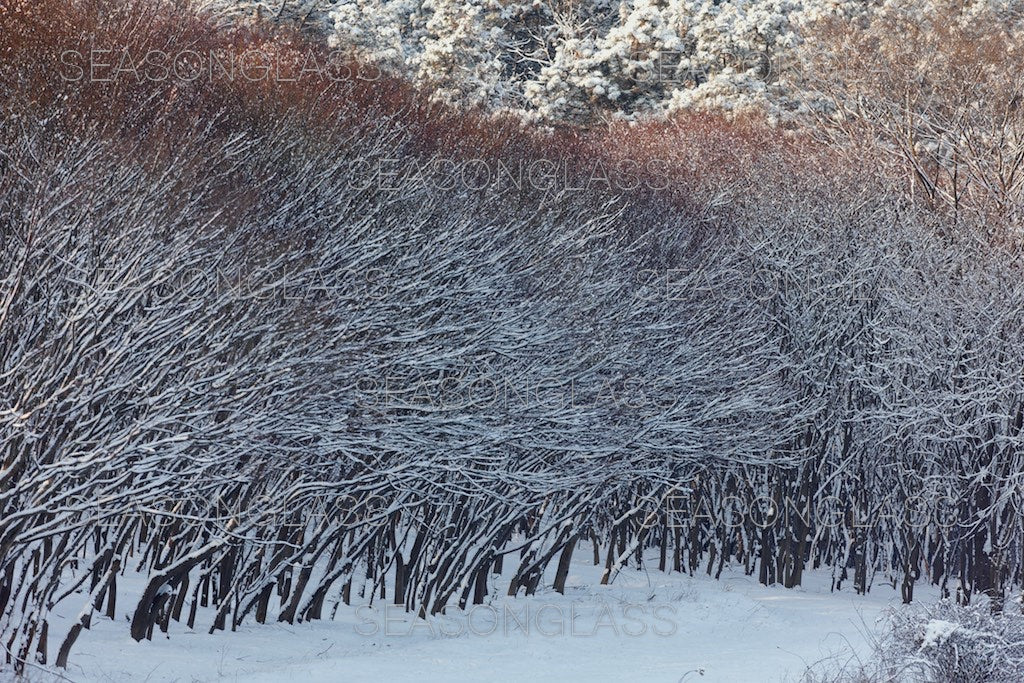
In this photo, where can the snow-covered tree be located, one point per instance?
(560, 60)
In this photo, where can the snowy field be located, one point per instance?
(647, 626)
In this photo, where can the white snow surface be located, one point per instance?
(647, 626)
(937, 632)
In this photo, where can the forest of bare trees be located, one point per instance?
(241, 360)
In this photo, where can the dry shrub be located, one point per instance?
(45, 48)
(937, 643)
(51, 68)
(930, 94)
(249, 79)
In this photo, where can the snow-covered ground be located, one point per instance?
(647, 626)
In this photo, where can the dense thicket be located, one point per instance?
(261, 344)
